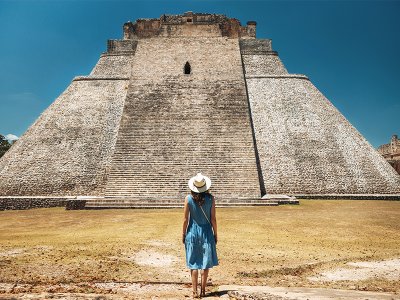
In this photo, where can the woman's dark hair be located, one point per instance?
(199, 198)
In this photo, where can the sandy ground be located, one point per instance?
(354, 271)
(299, 293)
(317, 250)
(104, 290)
(110, 290)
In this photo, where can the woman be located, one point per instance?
(200, 231)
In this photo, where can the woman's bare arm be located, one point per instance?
(185, 219)
(214, 220)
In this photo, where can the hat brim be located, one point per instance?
(203, 189)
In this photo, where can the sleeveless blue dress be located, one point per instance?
(201, 252)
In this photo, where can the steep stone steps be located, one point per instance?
(158, 150)
(175, 125)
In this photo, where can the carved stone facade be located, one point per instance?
(189, 25)
(189, 93)
(391, 152)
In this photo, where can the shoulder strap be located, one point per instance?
(201, 207)
(205, 214)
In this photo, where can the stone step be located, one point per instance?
(173, 201)
(148, 202)
(134, 157)
(131, 207)
(138, 194)
(141, 203)
(127, 143)
(150, 188)
(123, 175)
(171, 205)
(130, 184)
(156, 164)
(142, 154)
(153, 183)
(122, 171)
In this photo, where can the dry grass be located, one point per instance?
(280, 246)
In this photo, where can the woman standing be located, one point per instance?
(200, 231)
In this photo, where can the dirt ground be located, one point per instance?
(350, 245)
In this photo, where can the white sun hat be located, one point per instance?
(199, 183)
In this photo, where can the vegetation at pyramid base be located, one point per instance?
(4, 145)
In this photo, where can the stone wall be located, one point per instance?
(391, 152)
(110, 66)
(21, 203)
(256, 46)
(259, 58)
(67, 150)
(388, 197)
(392, 149)
(175, 125)
(395, 164)
(118, 47)
(307, 147)
(189, 25)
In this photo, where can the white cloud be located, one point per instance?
(11, 137)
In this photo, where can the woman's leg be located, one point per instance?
(204, 275)
(195, 275)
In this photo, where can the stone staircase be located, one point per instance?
(172, 130)
(128, 202)
(175, 125)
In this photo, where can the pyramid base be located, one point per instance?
(394, 197)
(92, 202)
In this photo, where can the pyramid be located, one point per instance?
(192, 93)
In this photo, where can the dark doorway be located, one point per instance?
(187, 69)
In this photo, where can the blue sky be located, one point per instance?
(349, 49)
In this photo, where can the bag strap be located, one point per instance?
(201, 207)
(205, 215)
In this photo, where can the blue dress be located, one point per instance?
(201, 252)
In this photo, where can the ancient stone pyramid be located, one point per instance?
(185, 94)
